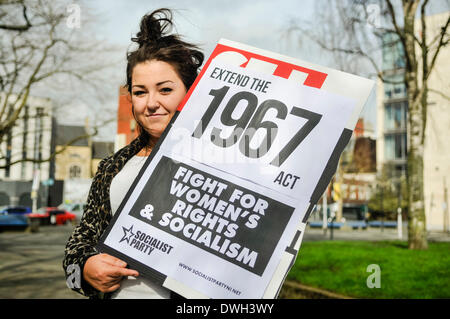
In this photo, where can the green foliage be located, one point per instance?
(390, 191)
(341, 267)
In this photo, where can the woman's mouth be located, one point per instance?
(156, 114)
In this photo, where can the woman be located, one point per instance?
(159, 73)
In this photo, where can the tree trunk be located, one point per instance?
(417, 233)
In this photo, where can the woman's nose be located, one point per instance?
(152, 102)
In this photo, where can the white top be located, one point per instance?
(131, 287)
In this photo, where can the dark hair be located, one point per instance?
(156, 44)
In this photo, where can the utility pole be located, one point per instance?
(35, 189)
(445, 207)
(332, 219)
(381, 208)
(324, 213)
(339, 181)
(399, 210)
(399, 222)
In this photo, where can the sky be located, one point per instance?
(262, 24)
(258, 23)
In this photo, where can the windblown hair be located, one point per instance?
(156, 43)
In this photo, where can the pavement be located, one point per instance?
(31, 263)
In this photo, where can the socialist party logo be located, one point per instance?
(143, 242)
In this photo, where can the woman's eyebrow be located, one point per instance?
(162, 82)
(157, 84)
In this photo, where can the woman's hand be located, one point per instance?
(104, 272)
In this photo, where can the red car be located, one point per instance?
(52, 216)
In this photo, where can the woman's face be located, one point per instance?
(156, 92)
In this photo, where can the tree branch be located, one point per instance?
(5, 126)
(440, 93)
(53, 155)
(19, 28)
(398, 31)
(442, 43)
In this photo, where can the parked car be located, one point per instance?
(13, 221)
(74, 208)
(14, 217)
(52, 216)
(15, 210)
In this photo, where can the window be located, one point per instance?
(400, 170)
(392, 51)
(395, 116)
(388, 93)
(395, 146)
(75, 171)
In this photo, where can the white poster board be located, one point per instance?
(220, 206)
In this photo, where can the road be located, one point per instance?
(31, 263)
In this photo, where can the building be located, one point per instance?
(437, 150)
(77, 161)
(392, 111)
(353, 184)
(30, 138)
(24, 152)
(65, 158)
(73, 159)
(100, 150)
(126, 124)
(351, 188)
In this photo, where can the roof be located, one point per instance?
(102, 149)
(67, 133)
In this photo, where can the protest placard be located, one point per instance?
(220, 206)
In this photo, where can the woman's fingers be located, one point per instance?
(121, 272)
(105, 272)
(112, 288)
(118, 267)
(113, 260)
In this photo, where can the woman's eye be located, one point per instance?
(137, 93)
(166, 90)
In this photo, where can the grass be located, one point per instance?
(341, 267)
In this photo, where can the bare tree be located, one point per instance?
(360, 33)
(43, 51)
(14, 25)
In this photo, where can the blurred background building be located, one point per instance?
(25, 146)
(126, 124)
(373, 165)
(30, 139)
(61, 159)
(392, 110)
